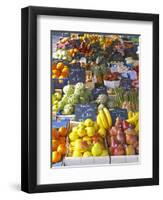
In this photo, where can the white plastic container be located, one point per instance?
(72, 161)
(112, 84)
(118, 159)
(124, 159)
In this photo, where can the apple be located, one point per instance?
(87, 139)
(97, 138)
(75, 129)
(77, 144)
(72, 143)
(130, 131)
(90, 131)
(125, 125)
(118, 122)
(136, 144)
(131, 126)
(55, 102)
(87, 154)
(70, 148)
(121, 137)
(80, 145)
(81, 132)
(73, 136)
(130, 150)
(113, 141)
(131, 139)
(81, 125)
(119, 131)
(84, 146)
(77, 153)
(96, 149)
(89, 122)
(102, 132)
(119, 150)
(113, 131)
(57, 96)
(104, 153)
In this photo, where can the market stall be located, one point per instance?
(95, 92)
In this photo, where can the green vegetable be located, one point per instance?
(102, 99)
(79, 92)
(127, 99)
(79, 86)
(73, 99)
(84, 99)
(61, 105)
(68, 89)
(99, 70)
(68, 109)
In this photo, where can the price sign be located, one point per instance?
(85, 111)
(99, 90)
(77, 74)
(119, 112)
(125, 83)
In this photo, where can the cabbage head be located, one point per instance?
(68, 89)
(68, 109)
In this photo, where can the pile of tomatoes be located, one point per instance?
(59, 148)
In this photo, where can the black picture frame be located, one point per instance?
(29, 99)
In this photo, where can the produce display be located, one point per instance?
(59, 148)
(94, 98)
(87, 139)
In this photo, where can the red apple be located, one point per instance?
(97, 138)
(118, 122)
(125, 125)
(121, 138)
(84, 145)
(135, 144)
(130, 150)
(131, 126)
(113, 131)
(131, 138)
(113, 141)
(119, 131)
(119, 150)
(130, 131)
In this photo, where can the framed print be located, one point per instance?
(90, 99)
